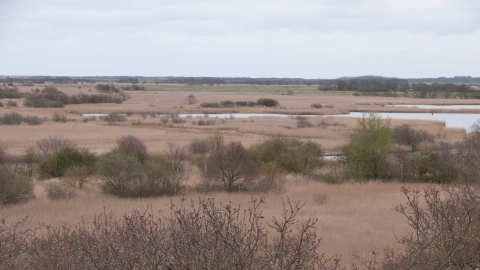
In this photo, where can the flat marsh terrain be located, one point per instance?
(352, 217)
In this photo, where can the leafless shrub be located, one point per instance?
(199, 146)
(124, 96)
(11, 103)
(59, 191)
(406, 135)
(14, 188)
(30, 159)
(12, 118)
(33, 120)
(132, 145)
(191, 99)
(446, 226)
(198, 236)
(206, 122)
(175, 174)
(76, 176)
(316, 105)
(233, 166)
(303, 122)
(59, 117)
(114, 118)
(123, 175)
(54, 144)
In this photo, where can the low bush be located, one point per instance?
(245, 103)
(12, 118)
(227, 104)
(210, 105)
(14, 188)
(33, 120)
(292, 155)
(406, 135)
(59, 117)
(303, 122)
(10, 92)
(59, 191)
(11, 103)
(206, 122)
(267, 102)
(106, 88)
(114, 118)
(316, 105)
(57, 165)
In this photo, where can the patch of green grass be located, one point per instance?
(243, 88)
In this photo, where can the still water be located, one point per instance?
(451, 120)
(446, 107)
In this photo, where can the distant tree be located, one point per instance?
(341, 85)
(191, 99)
(373, 140)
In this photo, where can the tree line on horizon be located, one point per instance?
(232, 80)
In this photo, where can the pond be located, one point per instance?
(446, 107)
(451, 120)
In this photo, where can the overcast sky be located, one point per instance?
(247, 38)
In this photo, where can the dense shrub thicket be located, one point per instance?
(10, 92)
(51, 97)
(57, 165)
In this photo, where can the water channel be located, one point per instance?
(451, 120)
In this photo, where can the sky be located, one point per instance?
(248, 38)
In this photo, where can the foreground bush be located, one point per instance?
(199, 236)
(125, 175)
(14, 188)
(446, 225)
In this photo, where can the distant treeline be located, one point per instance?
(417, 90)
(232, 80)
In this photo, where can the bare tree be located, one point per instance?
(124, 96)
(176, 173)
(233, 166)
(132, 145)
(191, 99)
(54, 144)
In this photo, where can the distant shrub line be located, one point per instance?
(50, 97)
(230, 104)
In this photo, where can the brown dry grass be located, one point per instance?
(352, 217)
